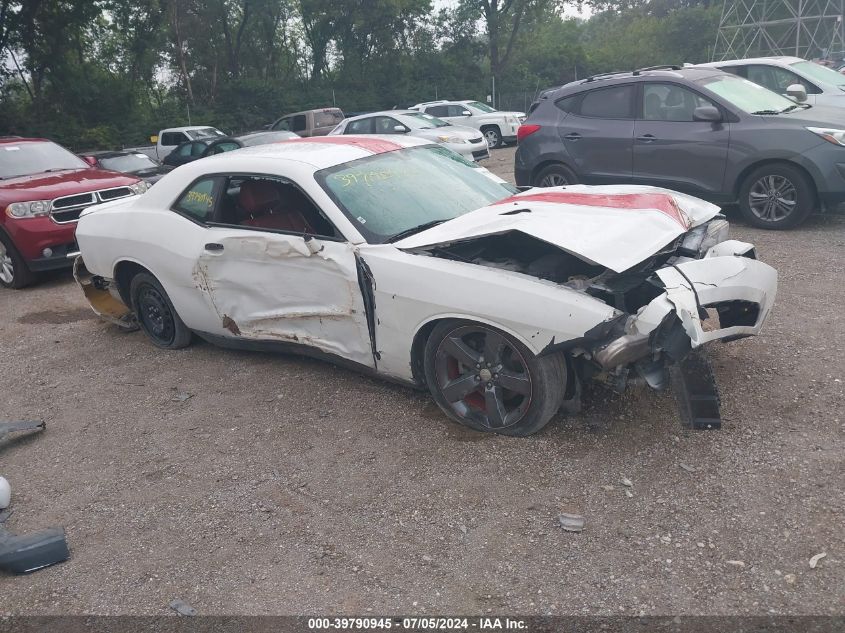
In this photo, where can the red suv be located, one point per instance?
(43, 190)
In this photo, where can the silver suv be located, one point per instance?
(696, 130)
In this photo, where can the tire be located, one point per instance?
(156, 314)
(556, 175)
(526, 390)
(776, 196)
(14, 273)
(493, 136)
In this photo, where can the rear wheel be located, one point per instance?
(556, 175)
(156, 314)
(776, 196)
(487, 380)
(493, 136)
(14, 273)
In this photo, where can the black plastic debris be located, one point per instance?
(697, 393)
(21, 554)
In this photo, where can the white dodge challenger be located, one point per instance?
(401, 258)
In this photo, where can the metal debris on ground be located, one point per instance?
(181, 396)
(687, 467)
(736, 563)
(13, 427)
(626, 482)
(815, 559)
(182, 608)
(571, 522)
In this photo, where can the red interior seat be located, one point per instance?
(262, 204)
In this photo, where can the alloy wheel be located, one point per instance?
(7, 267)
(772, 198)
(554, 180)
(492, 137)
(483, 377)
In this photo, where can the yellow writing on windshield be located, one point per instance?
(363, 177)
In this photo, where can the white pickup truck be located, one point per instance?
(167, 140)
(499, 127)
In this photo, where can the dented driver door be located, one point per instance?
(286, 288)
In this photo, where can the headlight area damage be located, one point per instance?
(698, 288)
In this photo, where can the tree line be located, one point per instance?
(107, 73)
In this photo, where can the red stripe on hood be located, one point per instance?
(374, 145)
(662, 202)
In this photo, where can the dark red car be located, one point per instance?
(43, 190)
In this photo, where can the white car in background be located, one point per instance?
(466, 141)
(403, 259)
(498, 127)
(824, 86)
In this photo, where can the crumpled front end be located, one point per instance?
(724, 296)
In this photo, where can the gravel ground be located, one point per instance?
(284, 485)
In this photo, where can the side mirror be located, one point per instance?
(154, 139)
(92, 162)
(797, 92)
(707, 114)
(400, 129)
(466, 113)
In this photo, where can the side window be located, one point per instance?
(387, 125)
(609, 103)
(298, 123)
(568, 104)
(361, 126)
(197, 148)
(183, 150)
(671, 102)
(438, 110)
(172, 138)
(734, 70)
(456, 110)
(778, 79)
(267, 203)
(198, 200)
(282, 124)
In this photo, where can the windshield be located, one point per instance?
(423, 121)
(206, 132)
(746, 95)
(820, 73)
(128, 163)
(26, 158)
(482, 106)
(390, 193)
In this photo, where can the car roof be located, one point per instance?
(688, 73)
(327, 109)
(322, 151)
(19, 139)
(189, 128)
(785, 60)
(381, 113)
(110, 153)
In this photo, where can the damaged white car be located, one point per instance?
(401, 258)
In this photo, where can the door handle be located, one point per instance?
(647, 138)
(573, 136)
(214, 247)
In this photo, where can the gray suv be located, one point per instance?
(697, 130)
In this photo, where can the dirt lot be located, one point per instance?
(285, 485)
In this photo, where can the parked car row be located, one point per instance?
(698, 130)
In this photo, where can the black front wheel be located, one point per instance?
(556, 175)
(156, 314)
(487, 380)
(776, 196)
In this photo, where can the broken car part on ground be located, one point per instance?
(24, 553)
(500, 303)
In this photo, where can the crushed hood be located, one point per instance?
(615, 226)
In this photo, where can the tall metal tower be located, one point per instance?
(804, 28)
